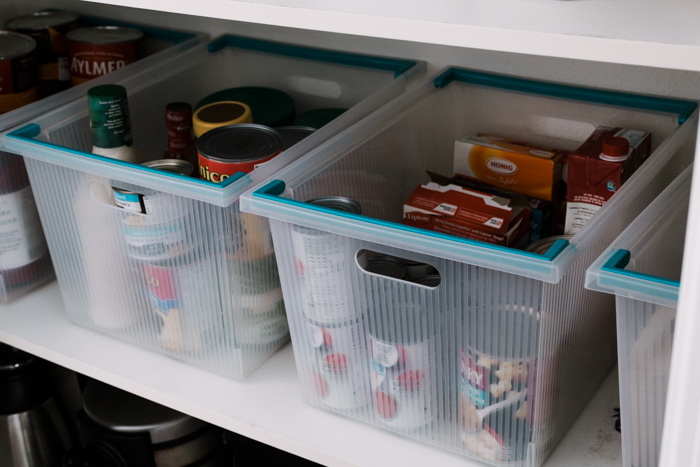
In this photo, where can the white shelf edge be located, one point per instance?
(267, 406)
(571, 46)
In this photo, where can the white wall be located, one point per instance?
(630, 78)
(637, 79)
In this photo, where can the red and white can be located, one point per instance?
(341, 376)
(324, 264)
(402, 347)
(230, 149)
(99, 50)
(186, 297)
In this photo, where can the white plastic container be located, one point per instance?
(25, 262)
(213, 297)
(642, 268)
(496, 361)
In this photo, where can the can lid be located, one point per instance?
(270, 107)
(13, 45)
(178, 166)
(40, 20)
(431, 280)
(242, 142)
(318, 118)
(386, 266)
(616, 146)
(291, 135)
(339, 203)
(103, 35)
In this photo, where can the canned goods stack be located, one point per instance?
(642, 267)
(487, 350)
(34, 63)
(166, 260)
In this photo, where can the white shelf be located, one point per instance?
(267, 406)
(635, 32)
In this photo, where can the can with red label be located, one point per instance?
(341, 376)
(243, 147)
(403, 354)
(498, 383)
(18, 83)
(324, 262)
(99, 50)
(48, 29)
(185, 295)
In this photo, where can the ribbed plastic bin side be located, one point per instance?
(497, 360)
(642, 268)
(194, 277)
(25, 262)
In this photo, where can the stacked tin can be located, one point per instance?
(155, 233)
(257, 300)
(335, 329)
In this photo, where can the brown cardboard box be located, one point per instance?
(458, 211)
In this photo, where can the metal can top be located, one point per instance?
(386, 266)
(103, 35)
(541, 246)
(242, 142)
(178, 166)
(431, 280)
(291, 135)
(41, 20)
(339, 203)
(13, 45)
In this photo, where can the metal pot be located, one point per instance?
(32, 430)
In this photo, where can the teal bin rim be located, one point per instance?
(598, 96)
(619, 277)
(31, 131)
(684, 109)
(274, 189)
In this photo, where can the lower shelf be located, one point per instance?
(267, 406)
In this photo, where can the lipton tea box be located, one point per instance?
(462, 212)
(598, 168)
(512, 165)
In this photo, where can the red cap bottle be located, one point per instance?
(178, 122)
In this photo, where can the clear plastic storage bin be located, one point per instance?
(642, 268)
(25, 262)
(496, 357)
(193, 278)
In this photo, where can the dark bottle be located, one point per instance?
(178, 122)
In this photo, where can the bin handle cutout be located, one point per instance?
(272, 191)
(398, 269)
(658, 104)
(104, 194)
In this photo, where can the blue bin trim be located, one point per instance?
(659, 104)
(616, 265)
(275, 188)
(31, 131)
(399, 67)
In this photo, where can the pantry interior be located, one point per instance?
(640, 57)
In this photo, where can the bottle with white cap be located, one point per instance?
(110, 124)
